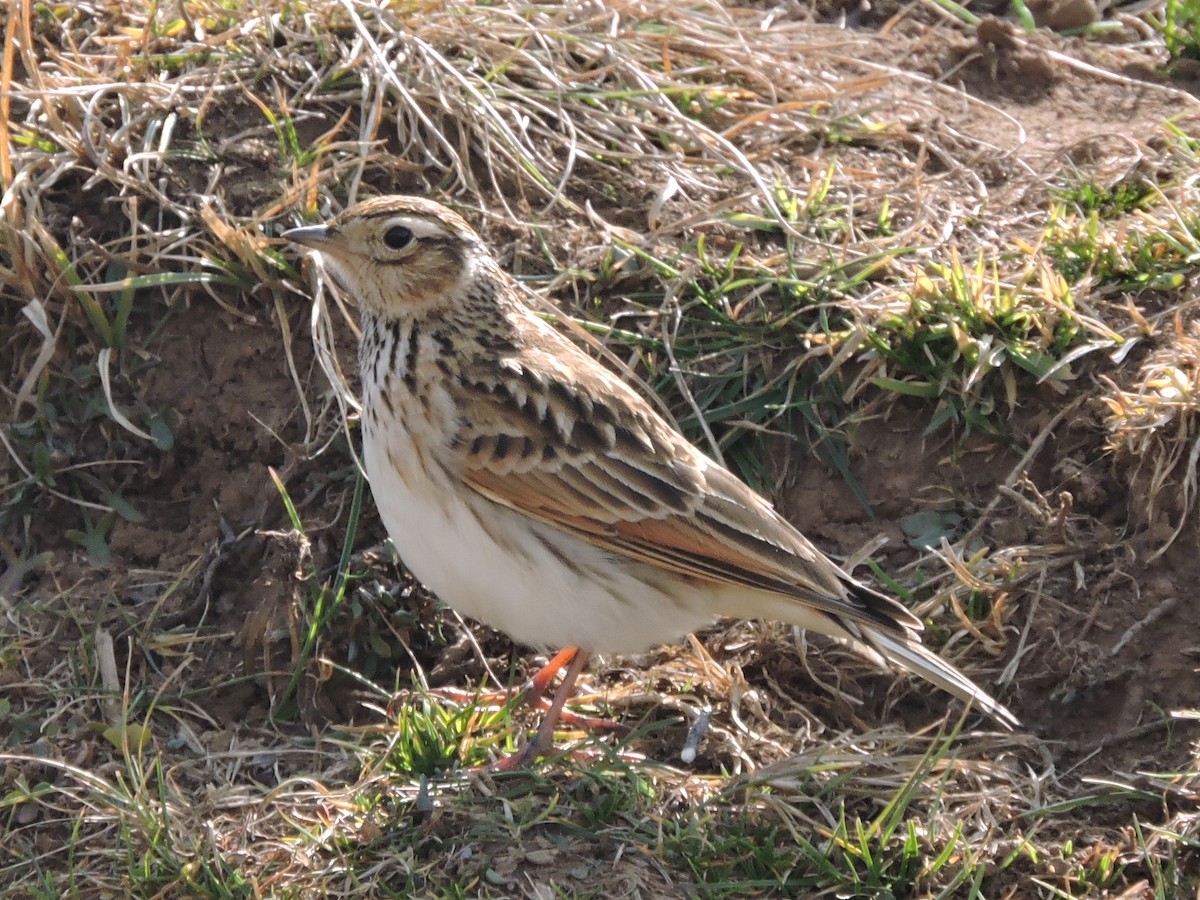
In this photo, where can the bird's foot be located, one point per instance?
(533, 692)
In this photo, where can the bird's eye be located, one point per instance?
(397, 237)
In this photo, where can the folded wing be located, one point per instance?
(592, 457)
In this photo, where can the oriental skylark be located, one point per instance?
(530, 488)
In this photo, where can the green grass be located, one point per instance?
(1108, 201)
(1132, 233)
(966, 335)
(1180, 29)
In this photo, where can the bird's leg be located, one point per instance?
(532, 693)
(535, 691)
(539, 685)
(543, 738)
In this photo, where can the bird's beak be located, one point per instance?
(319, 237)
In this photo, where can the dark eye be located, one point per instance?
(397, 237)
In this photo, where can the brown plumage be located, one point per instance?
(531, 488)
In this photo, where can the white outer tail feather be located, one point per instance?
(910, 654)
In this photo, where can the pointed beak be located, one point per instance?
(318, 237)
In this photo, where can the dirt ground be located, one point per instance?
(1108, 637)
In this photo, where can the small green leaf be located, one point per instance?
(160, 279)
(1032, 360)
(925, 529)
(124, 508)
(911, 388)
(379, 646)
(95, 539)
(164, 438)
(41, 462)
(754, 223)
(135, 737)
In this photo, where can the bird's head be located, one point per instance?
(395, 256)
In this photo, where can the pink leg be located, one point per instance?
(543, 739)
(539, 684)
(532, 693)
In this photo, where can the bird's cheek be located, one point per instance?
(440, 273)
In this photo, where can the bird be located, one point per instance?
(532, 489)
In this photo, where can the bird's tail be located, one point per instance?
(878, 627)
(908, 653)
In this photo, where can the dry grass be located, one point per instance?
(791, 235)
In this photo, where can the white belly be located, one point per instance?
(492, 564)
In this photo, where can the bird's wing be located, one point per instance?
(559, 438)
(553, 435)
